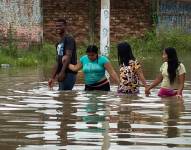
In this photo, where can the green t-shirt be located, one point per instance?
(166, 82)
(93, 71)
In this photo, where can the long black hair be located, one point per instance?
(124, 53)
(173, 63)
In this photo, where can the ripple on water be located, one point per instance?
(42, 119)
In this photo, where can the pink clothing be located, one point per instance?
(164, 92)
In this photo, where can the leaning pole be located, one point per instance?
(105, 27)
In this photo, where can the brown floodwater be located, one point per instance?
(34, 117)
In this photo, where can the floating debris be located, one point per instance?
(5, 65)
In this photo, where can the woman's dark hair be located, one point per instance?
(173, 63)
(124, 53)
(92, 48)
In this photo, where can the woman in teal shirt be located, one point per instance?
(94, 67)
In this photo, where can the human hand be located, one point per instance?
(50, 83)
(147, 94)
(147, 91)
(179, 94)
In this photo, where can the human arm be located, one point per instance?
(69, 50)
(53, 76)
(76, 67)
(141, 77)
(55, 69)
(158, 80)
(181, 79)
(65, 62)
(111, 72)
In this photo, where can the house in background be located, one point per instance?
(33, 21)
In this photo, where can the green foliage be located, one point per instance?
(26, 58)
(81, 50)
(47, 54)
(144, 48)
(27, 61)
(154, 43)
(11, 48)
(4, 59)
(180, 40)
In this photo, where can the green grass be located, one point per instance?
(26, 58)
(143, 48)
(153, 43)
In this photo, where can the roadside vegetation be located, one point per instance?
(146, 47)
(153, 43)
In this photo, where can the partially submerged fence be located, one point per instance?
(174, 14)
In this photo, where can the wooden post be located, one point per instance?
(105, 27)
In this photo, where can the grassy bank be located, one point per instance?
(153, 43)
(145, 47)
(26, 58)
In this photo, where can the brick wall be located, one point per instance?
(128, 18)
(75, 12)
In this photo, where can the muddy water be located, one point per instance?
(33, 117)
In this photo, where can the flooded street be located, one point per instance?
(33, 117)
(36, 33)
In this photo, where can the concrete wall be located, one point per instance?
(22, 19)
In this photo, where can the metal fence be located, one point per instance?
(174, 14)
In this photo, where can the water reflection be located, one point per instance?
(92, 109)
(173, 110)
(32, 117)
(125, 119)
(66, 118)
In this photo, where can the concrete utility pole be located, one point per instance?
(104, 49)
(105, 27)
